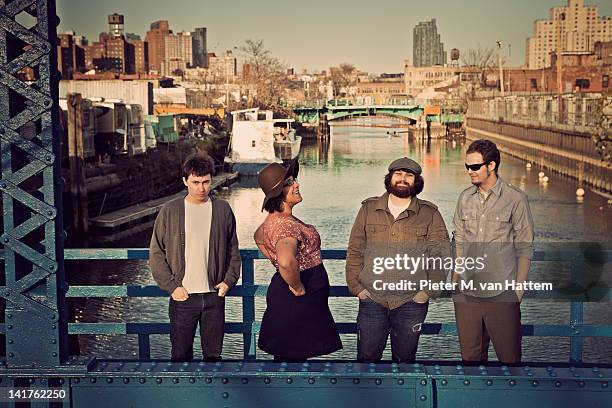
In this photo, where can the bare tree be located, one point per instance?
(266, 78)
(343, 77)
(480, 60)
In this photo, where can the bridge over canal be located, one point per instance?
(340, 109)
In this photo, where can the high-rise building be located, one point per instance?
(155, 38)
(70, 56)
(573, 28)
(427, 49)
(200, 54)
(225, 65)
(141, 56)
(178, 49)
(114, 52)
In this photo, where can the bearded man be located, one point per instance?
(399, 229)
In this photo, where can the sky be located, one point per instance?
(375, 36)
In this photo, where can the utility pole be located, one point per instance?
(501, 71)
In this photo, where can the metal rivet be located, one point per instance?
(9, 316)
(175, 380)
(53, 341)
(444, 382)
(225, 395)
(109, 380)
(76, 380)
(224, 380)
(423, 397)
(466, 382)
(356, 381)
(512, 383)
(62, 381)
(604, 385)
(423, 382)
(142, 380)
(208, 380)
(267, 380)
(126, 380)
(378, 381)
(400, 382)
(6, 240)
(311, 380)
(289, 380)
(11, 354)
(333, 380)
(9, 326)
(159, 380)
(535, 383)
(92, 380)
(11, 341)
(54, 354)
(489, 382)
(557, 384)
(581, 384)
(245, 380)
(192, 380)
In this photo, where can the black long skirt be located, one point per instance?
(299, 327)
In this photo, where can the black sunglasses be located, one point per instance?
(474, 167)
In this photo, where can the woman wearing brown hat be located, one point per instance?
(297, 323)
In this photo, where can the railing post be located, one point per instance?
(144, 347)
(576, 315)
(576, 310)
(248, 308)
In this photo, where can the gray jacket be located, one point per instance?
(167, 249)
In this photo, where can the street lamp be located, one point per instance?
(501, 72)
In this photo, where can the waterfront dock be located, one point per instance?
(119, 224)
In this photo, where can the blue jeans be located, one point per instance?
(375, 322)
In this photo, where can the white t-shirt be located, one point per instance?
(197, 238)
(395, 210)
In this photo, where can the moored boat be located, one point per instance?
(257, 139)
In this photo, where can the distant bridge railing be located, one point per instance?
(248, 290)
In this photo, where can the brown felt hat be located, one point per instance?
(271, 178)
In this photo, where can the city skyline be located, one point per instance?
(324, 34)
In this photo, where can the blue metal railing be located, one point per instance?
(248, 290)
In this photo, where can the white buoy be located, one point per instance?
(528, 165)
(545, 179)
(541, 174)
(580, 192)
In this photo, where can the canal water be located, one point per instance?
(335, 176)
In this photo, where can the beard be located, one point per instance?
(479, 181)
(401, 191)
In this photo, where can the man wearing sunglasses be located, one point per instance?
(492, 222)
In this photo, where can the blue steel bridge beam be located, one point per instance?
(35, 322)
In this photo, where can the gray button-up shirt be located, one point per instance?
(497, 227)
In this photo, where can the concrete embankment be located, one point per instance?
(569, 153)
